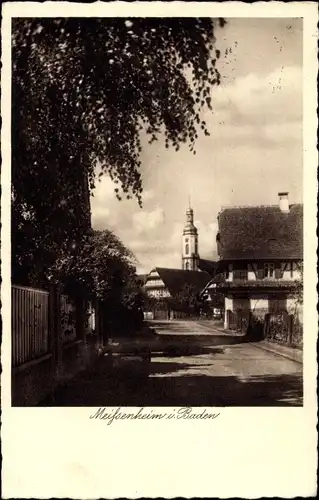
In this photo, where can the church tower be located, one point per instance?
(190, 257)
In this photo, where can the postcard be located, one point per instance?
(158, 231)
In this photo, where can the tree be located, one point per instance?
(100, 268)
(186, 300)
(83, 90)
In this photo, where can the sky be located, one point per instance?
(253, 152)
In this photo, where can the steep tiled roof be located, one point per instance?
(175, 279)
(209, 266)
(260, 233)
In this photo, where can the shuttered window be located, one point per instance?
(279, 272)
(240, 274)
(269, 270)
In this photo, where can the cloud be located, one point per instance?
(147, 221)
(254, 150)
(101, 203)
(104, 188)
(109, 212)
(207, 239)
(167, 251)
(278, 132)
(148, 195)
(160, 259)
(261, 99)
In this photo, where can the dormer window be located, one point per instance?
(269, 270)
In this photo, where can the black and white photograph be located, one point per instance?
(157, 214)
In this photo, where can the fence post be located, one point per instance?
(266, 326)
(56, 341)
(290, 320)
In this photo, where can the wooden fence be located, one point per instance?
(283, 328)
(40, 320)
(238, 320)
(30, 324)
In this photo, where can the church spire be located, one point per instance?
(190, 255)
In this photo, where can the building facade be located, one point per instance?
(260, 258)
(163, 284)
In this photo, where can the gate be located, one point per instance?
(242, 320)
(161, 314)
(231, 320)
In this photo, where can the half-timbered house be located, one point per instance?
(260, 256)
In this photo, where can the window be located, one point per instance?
(187, 249)
(291, 269)
(269, 270)
(196, 247)
(240, 274)
(187, 266)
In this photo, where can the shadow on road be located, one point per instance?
(202, 390)
(183, 334)
(176, 377)
(204, 339)
(174, 384)
(172, 350)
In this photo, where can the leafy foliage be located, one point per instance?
(83, 90)
(186, 300)
(100, 268)
(299, 286)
